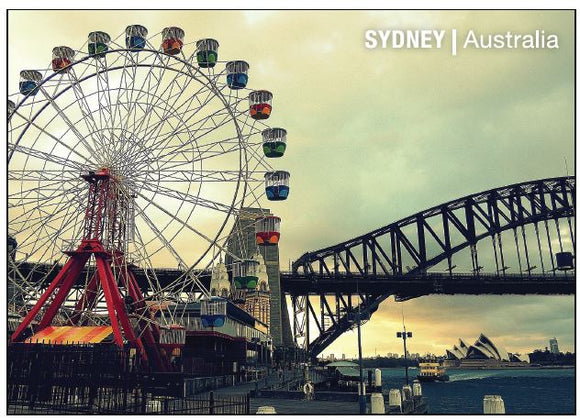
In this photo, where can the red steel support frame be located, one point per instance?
(101, 213)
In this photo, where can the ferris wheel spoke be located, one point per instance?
(146, 118)
(181, 264)
(40, 241)
(197, 176)
(251, 193)
(54, 185)
(68, 122)
(53, 137)
(47, 157)
(190, 113)
(149, 271)
(212, 150)
(162, 140)
(186, 225)
(30, 214)
(187, 198)
(183, 68)
(126, 100)
(176, 150)
(104, 96)
(86, 111)
(42, 175)
(145, 89)
(42, 214)
(134, 155)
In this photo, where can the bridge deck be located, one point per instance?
(431, 283)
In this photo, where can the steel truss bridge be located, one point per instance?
(519, 225)
(501, 241)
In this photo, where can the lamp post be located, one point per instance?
(404, 335)
(362, 399)
(256, 340)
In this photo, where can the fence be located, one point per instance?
(80, 379)
(212, 404)
(62, 402)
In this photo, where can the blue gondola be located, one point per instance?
(213, 312)
(237, 77)
(29, 81)
(277, 185)
(136, 37)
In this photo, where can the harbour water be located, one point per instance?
(524, 391)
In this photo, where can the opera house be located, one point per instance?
(484, 353)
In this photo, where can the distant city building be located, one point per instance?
(343, 356)
(331, 357)
(242, 243)
(554, 346)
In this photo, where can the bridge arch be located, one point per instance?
(409, 248)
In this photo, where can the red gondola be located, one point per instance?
(172, 40)
(268, 230)
(62, 58)
(260, 104)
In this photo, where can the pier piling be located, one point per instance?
(377, 403)
(493, 404)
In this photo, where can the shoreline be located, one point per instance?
(489, 368)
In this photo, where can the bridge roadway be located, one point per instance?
(404, 287)
(407, 286)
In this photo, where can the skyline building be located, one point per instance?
(554, 346)
(242, 243)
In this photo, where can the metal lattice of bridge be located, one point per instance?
(501, 241)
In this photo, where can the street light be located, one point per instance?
(404, 335)
(256, 340)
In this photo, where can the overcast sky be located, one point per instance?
(377, 135)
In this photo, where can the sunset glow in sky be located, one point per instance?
(375, 135)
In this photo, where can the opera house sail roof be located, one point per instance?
(483, 348)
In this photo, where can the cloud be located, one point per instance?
(374, 136)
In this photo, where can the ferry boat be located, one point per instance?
(432, 371)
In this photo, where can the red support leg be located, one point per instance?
(116, 303)
(101, 268)
(34, 311)
(150, 330)
(79, 261)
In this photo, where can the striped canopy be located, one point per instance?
(71, 335)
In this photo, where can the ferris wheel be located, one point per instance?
(132, 143)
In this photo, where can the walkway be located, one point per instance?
(287, 406)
